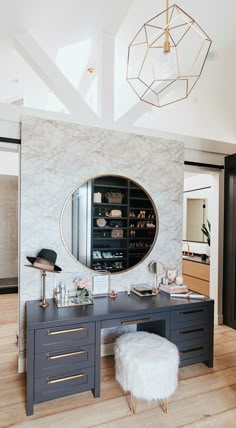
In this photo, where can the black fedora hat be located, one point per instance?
(45, 260)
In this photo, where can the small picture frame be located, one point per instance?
(101, 284)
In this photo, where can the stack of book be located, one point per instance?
(174, 288)
(181, 291)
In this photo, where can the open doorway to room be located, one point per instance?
(9, 174)
(202, 252)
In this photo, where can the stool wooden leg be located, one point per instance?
(164, 405)
(133, 403)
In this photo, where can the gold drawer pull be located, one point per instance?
(135, 321)
(51, 333)
(66, 378)
(71, 354)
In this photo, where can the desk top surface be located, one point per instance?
(104, 308)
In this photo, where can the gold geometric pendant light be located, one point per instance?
(166, 57)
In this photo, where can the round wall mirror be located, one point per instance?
(109, 223)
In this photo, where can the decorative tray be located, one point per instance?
(75, 301)
(143, 290)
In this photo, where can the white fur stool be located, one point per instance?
(147, 367)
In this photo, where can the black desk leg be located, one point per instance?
(97, 375)
(210, 362)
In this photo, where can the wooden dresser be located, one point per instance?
(196, 275)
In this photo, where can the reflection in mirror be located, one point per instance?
(109, 223)
(157, 269)
(196, 216)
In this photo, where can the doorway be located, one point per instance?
(207, 185)
(9, 178)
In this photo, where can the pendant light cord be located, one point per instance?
(166, 47)
(167, 12)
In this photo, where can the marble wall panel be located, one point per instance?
(57, 157)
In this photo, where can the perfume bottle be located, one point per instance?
(62, 292)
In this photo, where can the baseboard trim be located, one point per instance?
(8, 289)
(21, 365)
(219, 320)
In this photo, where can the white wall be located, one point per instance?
(9, 163)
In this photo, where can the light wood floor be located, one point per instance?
(205, 397)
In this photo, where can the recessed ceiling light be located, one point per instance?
(91, 70)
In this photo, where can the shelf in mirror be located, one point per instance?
(124, 208)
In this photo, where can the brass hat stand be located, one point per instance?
(44, 303)
(46, 262)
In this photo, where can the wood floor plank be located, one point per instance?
(8, 353)
(192, 409)
(226, 419)
(83, 417)
(205, 383)
(225, 347)
(221, 328)
(226, 336)
(11, 382)
(8, 368)
(221, 362)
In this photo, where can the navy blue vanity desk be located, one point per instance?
(63, 345)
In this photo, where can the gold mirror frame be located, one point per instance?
(140, 188)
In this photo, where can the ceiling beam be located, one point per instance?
(133, 114)
(106, 79)
(116, 14)
(47, 71)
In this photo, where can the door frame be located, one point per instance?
(217, 231)
(10, 141)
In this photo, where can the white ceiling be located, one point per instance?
(56, 24)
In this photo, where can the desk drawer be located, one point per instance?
(188, 333)
(191, 316)
(57, 338)
(52, 363)
(195, 350)
(47, 388)
(136, 319)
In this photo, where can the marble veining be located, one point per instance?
(56, 158)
